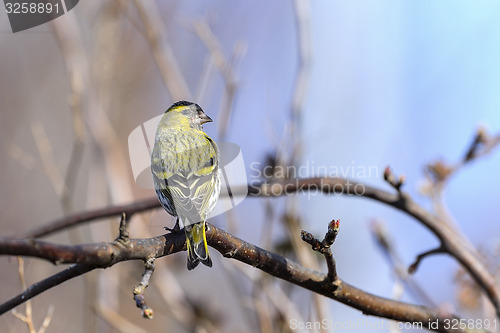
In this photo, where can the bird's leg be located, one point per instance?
(176, 227)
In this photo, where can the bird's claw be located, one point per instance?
(175, 229)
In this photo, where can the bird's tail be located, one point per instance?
(197, 245)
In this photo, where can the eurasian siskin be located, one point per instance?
(185, 167)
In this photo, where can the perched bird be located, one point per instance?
(185, 167)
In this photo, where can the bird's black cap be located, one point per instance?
(184, 103)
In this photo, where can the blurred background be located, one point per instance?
(339, 88)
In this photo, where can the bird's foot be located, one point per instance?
(175, 229)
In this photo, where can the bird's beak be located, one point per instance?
(204, 118)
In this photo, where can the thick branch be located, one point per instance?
(94, 254)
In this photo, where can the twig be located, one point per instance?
(440, 172)
(47, 157)
(173, 295)
(390, 178)
(480, 139)
(400, 269)
(413, 267)
(279, 298)
(303, 23)
(225, 68)
(77, 68)
(47, 320)
(140, 289)
(40, 287)
(324, 247)
(23, 157)
(118, 322)
(482, 144)
(162, 52)
(123, 236)
(28, 317)
(75, 219)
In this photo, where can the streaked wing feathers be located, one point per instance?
(190, 192)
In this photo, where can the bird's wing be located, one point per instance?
(191, 191)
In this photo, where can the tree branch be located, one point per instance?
(102, 255)
(98, 255)
(162, 51)
(324, 247)
(87, 257)
(413, 267)
(44, 285)
(278, 266)
(75, 219)
(140, 289)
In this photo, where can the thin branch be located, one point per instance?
(391, 179)
(75, 219)
(28, 317)
(225, 67)
(140, 289)
(77, 68)
(47, 156)
(304, 49)
(324, 247)
(47, 320)
(400, 269)
(264, 287)
(440, 172)
(482, 144)
(173, 295)
(413, 267)
(40, 287)
(162, 52)
(116, 321)
(123, 236)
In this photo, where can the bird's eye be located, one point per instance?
(186, 112)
